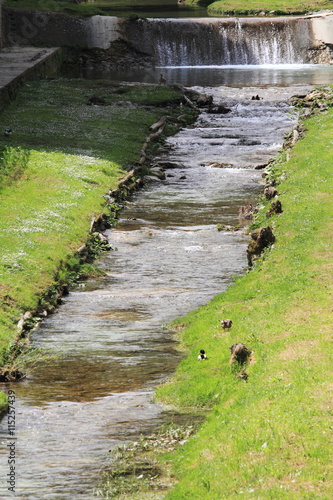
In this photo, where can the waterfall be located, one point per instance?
(183, 42)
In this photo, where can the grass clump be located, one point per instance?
(13, 162)
(3, 403)
(268, 436)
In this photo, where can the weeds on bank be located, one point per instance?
(138, 469)
(20, 357)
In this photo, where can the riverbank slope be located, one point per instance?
(270, 435)
(270, 7)
(71, 143)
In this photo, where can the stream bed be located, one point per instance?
(168, 258)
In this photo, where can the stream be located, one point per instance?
(168, 258)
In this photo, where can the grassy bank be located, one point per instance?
(221, 7)
(63, 156)
(270, 436)
(273, 7)
(269, 7)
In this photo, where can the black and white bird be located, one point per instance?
(7, 132)
(202, 355)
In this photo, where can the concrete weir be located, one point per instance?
(273, 40)
(1, 1)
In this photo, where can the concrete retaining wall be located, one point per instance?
(26, 65)
(25, 27)
(322, 27)
(47, 29)
(1, 1)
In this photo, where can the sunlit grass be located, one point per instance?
(239, 7)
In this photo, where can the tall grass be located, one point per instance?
(3, 403)
(13, 162)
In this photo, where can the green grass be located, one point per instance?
(270, 437)
(56, 116)
(241, 7)
(3, 403)
(74, 153)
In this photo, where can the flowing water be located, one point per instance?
(168, 258)
(215, 41)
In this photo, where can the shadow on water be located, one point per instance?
(233, 75)
(168, 258)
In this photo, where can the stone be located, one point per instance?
(276, 208)
(260, 239)
(239, 353)
(159, 173)
(220, 109)
(270, 192)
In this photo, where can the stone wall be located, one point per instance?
(314, 34)
(322, 27)
(35, 64)
(25, 27)
(1, 23)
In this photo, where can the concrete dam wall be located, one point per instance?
(181, 42)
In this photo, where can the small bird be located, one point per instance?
(7, 132)
(202, 355)
(162, 79)
(226, 323)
